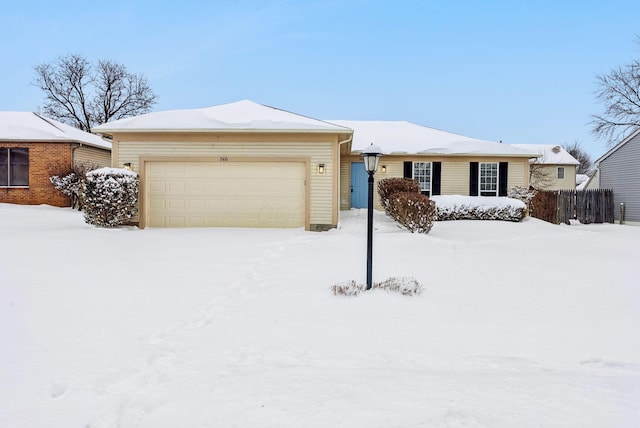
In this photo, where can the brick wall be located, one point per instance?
(45, 160)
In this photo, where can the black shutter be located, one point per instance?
(435, 178)
(408, 170)
(502, 178)
(473, 178)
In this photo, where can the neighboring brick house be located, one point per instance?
(33, 148)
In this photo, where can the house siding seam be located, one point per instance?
(619, 171)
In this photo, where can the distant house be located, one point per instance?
(553, 169)
(32, 148)
(442, 162)
(618, 169)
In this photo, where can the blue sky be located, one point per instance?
(516, 71)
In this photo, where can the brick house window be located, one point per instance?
(14, 167)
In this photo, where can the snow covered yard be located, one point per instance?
(519, 325)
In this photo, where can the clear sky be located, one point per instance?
(516, 71)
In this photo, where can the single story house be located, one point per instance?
(553, 169)
(245, 164)
(33, 148)
(442, 162)
(618, 170)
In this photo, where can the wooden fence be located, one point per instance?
(561, 206)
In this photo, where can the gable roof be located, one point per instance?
(401, 137)
(233, 117)
(616, 147)
(31, 127)
(550, 154)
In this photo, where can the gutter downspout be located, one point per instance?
(337, 186)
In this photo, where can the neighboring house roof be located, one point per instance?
(581, 181)
(550, 154)
(401, 137)
(31, 127)
(234, 117)
(616, 147)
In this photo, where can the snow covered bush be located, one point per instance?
(522, 194)
(456, 207)
(407, 286)
(390, 186)
(71, 183)
(414, 211)
(111, 196)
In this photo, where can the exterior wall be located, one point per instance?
(313, 148)
(454, 175)
(551, 180)
(92, 155)
(619, 171)
(45, 160)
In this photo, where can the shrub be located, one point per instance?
(111, 196)
(390, 186)
(407, 286)
(71, 182)
(414, 211)
(456, 207)
(522, 194)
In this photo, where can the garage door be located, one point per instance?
(225, 194)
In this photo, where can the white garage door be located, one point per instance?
(225, 194)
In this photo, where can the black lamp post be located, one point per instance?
(371, 157)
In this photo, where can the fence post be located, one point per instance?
(621, 212)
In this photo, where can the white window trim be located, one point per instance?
(480, 191)
(413, 169)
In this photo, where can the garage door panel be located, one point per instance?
(234, 194)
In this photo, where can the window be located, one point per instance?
(489, 179)
(14, 167)
(560, 173)
(422, 173)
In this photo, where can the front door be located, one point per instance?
(359, 182)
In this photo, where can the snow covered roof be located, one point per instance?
(401, 137)
(233, 117)
(31, 127)
(550, 154)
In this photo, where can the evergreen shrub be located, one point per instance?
(111, 196)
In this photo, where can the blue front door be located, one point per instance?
(359, 182)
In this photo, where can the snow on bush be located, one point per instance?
(456, 207)
(414, 211)
(407, 286)
(390, 186)
(403, 202)
(522, 194)
(111, 196)
(71, 183)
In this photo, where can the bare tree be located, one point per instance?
(575, 149)
(619, 92)
(84, 96)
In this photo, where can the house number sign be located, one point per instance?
(224, 159)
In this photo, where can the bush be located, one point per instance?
(414, 211)
(71, 182)
(522, 194)
(405, 285)
(456, 207)
(390, 186)
(111, 196)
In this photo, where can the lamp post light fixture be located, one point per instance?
(371, 157)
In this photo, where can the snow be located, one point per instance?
(401, 137)
(550, 154)
(30, 127)
(110, 171)
(238, 116)
(519, 325)
(450, 202)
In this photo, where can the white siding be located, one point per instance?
(92, 155)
